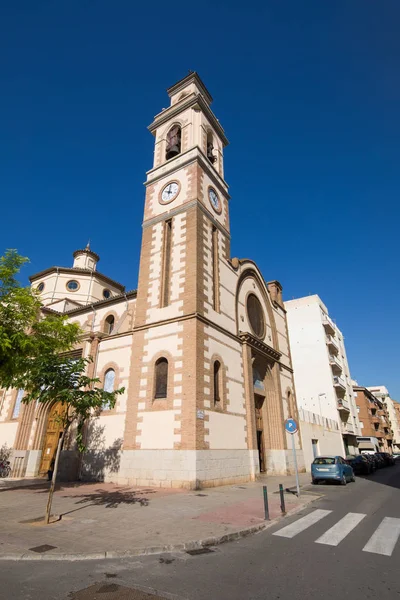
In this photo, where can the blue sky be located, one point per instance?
(308, 93)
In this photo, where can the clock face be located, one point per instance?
(169, 192)
(214, 200)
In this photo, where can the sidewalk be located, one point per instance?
(101, 520)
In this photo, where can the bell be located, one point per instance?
(172, 151)
(210, 154)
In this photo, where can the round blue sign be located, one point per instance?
(291, 426)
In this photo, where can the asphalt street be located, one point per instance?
(344, 545)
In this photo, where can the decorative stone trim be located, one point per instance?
(256, 344)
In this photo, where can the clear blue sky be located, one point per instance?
(308, 93)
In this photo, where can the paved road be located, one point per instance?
(343, 546)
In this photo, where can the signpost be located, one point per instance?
(292, 427)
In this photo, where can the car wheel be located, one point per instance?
(315, 481)
(353, 479)
(343, 481)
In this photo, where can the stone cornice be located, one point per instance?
(247, 338)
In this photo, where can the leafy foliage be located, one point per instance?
(55, 378)
(24, 332)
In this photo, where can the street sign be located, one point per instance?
(291, 426)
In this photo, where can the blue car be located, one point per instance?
(331, 467)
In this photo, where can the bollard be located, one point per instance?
(266, 509)
(281, 493)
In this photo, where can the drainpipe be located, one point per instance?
(54, 291)
(90, 287)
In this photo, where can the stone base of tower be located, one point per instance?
(191, 469)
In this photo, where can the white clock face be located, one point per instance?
(214, 200)
(169, 192)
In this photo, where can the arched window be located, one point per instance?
(255, 315)
(210, 148)
(217, 376)
(110, 322)
(161, 378)
(173, 142)
(109, 382)
(17, 405)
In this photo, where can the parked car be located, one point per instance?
(388, 458)
(372, 461)
(360, 464)
(334, 468)
(396, 455)
(380, 461)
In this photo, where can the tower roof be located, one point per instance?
(191, 77)
(87, 250)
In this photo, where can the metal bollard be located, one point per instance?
(266, 509)
(281, 493)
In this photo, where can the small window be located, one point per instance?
(106, 294)
(161, 378)
(40, 287)
(109, 383)
(17, 405)
(110, 323)
(72, 285)
(173, 142)
(217, 374)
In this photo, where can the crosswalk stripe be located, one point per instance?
(338, 532)
(384, 538)
(301, 524)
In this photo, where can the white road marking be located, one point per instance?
(385, 537)
(338, 532)
(301, 524)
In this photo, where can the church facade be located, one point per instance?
(201, 346)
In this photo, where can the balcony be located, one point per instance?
(339, 383)
(343, 405)
(348, 428)
(375, 419)
(335, 364)
(332, 344)
(328, 324)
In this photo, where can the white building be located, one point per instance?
(328, 416)
(381, 392)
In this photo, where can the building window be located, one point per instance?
(358, 409)
(255, 315)
(110, 323)
(166, 263)
(40, 287)
(361, 424)
(72, 285)
(161, 378)
(173, 142)
(17, 405)
(106, 294)
(109, 383)
(217, 376)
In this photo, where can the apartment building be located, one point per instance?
(373, 417)
(393, 408)
(327, 411)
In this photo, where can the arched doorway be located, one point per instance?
(53, 432)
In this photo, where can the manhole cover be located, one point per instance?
(199, 551)
(112, 591)
(42, 548)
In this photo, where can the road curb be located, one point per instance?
(148, 550)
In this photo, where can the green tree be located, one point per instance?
(56, 378)
(24, 331)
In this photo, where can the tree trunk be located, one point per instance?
(53, 479)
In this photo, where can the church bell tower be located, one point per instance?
(185, 241)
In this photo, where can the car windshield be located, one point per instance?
(324, 460)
